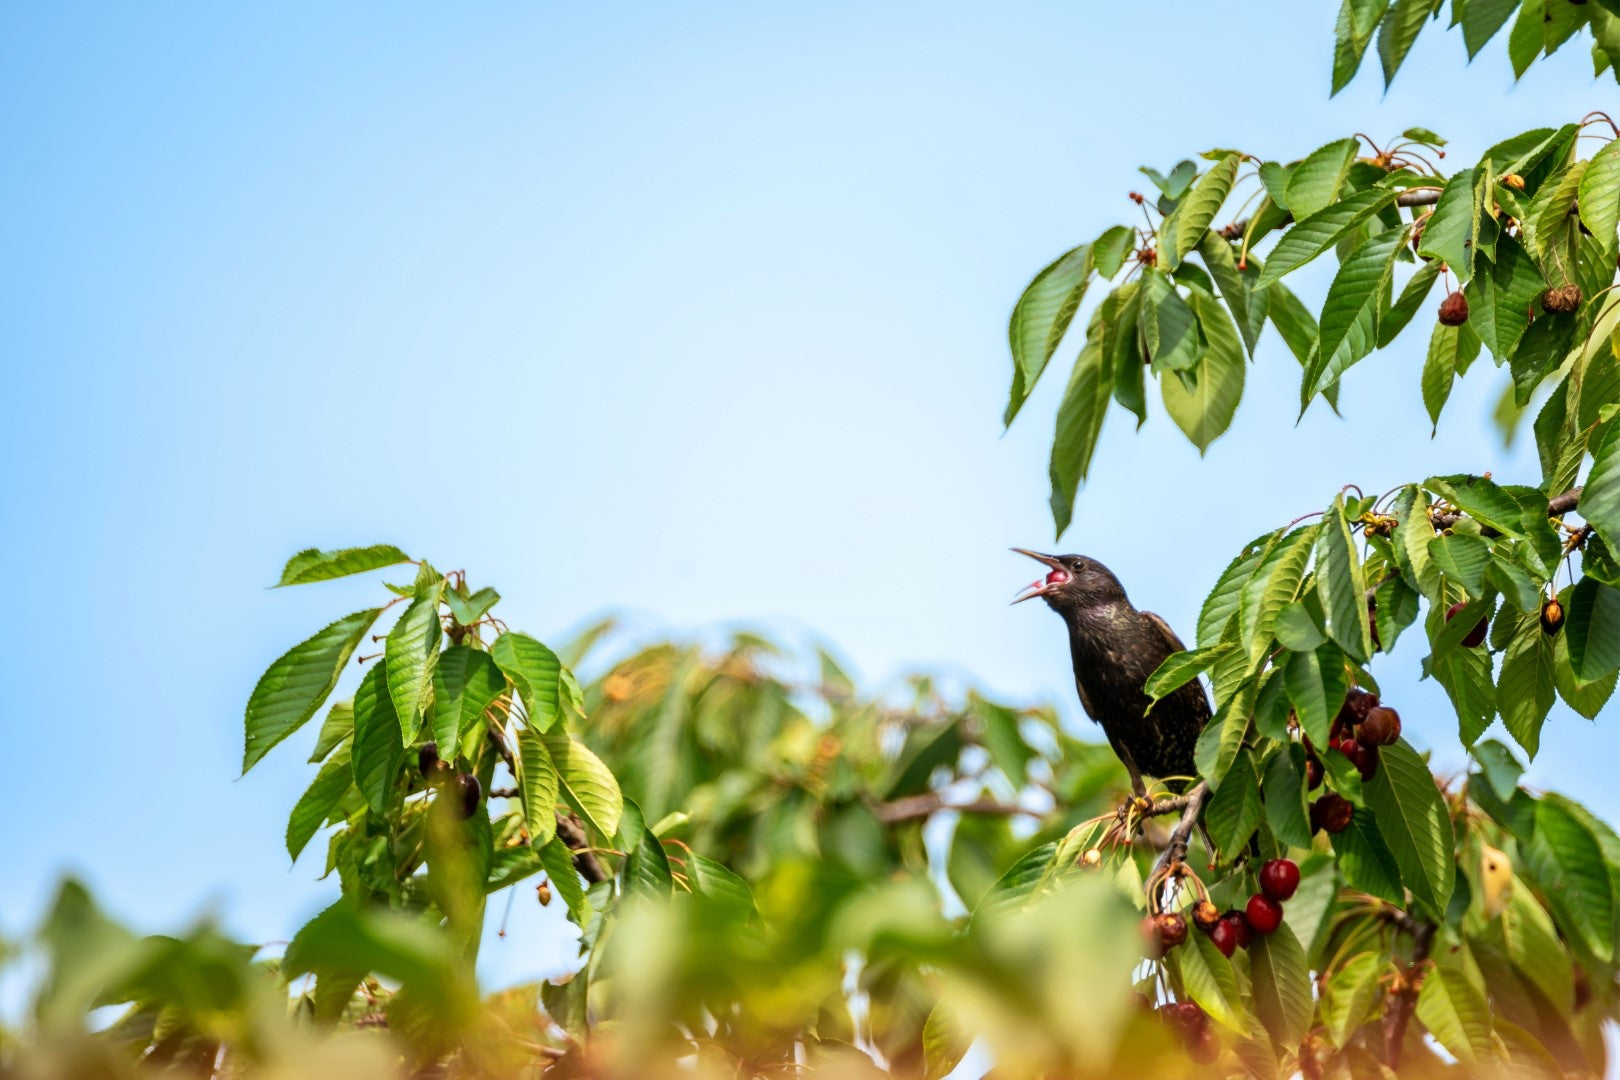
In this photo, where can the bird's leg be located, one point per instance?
(1139, 800)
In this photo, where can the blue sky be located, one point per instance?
(693, 314)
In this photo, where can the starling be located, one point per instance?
(1115, 648)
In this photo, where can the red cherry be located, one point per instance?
(1057, 577)
(1205, 1048)
(1224, 937)
(1347, 747)
(1279, 878)
(1366, 759)
(1263, 913)
(1242, 932)
(1313, 773)
(1187, 1015)
(1476, 636)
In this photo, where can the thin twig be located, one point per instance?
(913, 807)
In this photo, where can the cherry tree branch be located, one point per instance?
(913, 807)
(1398, 1003)
(569, 828)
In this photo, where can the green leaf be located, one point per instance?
(1351, 35)
(1412, 536)
(1166, 325)
(716, 882)
(1466, 676)
(1525, 690)
(1234, 810)
(589, 785)
(318, 801)
(1415, 823)
(1293, 321)
(1551, 226)
(1222, 737)
(1586, 698)
(1223, 600)
(1273, 585)
(466, 682)
(316, 565)
(1352, 991)
(1406, 305)
(1297, 628)
(1499, 767)
(1534, 948)
(1210, 980)
(1282, 985)
(1342, 583)
(1181, 668)
(1008, 750)
(468, 610)
(1111, 249)
(1317, 686)
(1204, 411)
(945, 1042)
(1042, 316)
(293, 688)
(1121, 346)
(1397, 31)
(1481, 19)
(1201, 204)
(1600, 498)
(1592, 629)
(412, 652)
(1480, 499)
(1452, 229)
(1319, 232)
(1350, 314)
(1315, 182)
(1079, 422)
(1284, 790)
(1567, 860)
(1238, 288)
(1599, 197)
(1365, 860)
(535, 671)
(559, 863)
(538, 783)
(1397, 608)
(1500, 301)
(1462, 559)
(1451, 1004)
(378, 749)
(335, 729)
(645, 869)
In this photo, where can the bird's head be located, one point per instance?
(1072, 582)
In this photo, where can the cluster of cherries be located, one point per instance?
(1231, 929)
(1362, 726)
(1188, 1019)
(463, 788)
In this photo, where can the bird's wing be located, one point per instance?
(1170, 638)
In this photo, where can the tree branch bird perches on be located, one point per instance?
(1115, 648)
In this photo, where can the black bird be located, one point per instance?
(1115, 648)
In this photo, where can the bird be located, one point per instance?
(1115, 648)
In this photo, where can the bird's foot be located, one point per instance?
(1138, 804)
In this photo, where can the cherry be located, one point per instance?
(1170, 928)
(1347, 746)
(1264, 913)
(1224, 937)
(1140, 1000)
(1552, 617)
(1152, 947)
(1205, 1048)
(1205, 915)
(1366, 760)
(1057, 577)
(468, 792)
(1382, 726)
(434, 769)
(1561, 299)
(1454, 310)
(1358, 703)
(1332, 812)
(1242, 932)
(1476, 636)
(1313, 773)
(1279, 878)
(1188, 1016)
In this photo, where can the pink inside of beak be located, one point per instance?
(1056, 577)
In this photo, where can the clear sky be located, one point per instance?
(691, 313)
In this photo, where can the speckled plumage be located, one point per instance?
(1115, 648)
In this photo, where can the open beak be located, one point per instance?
(1057, 577)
